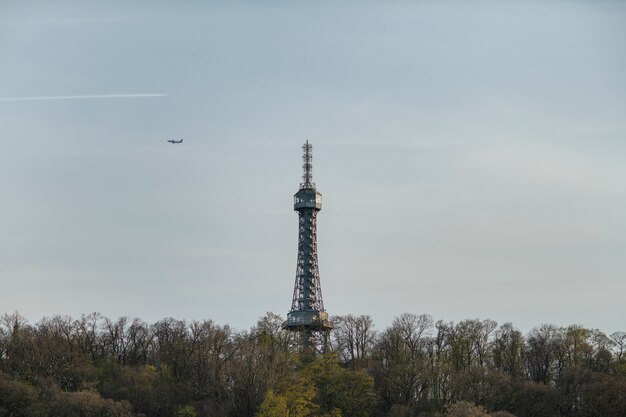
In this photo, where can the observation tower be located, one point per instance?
(307, 315)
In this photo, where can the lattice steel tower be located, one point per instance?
(307, 314)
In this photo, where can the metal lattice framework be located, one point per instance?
(307, 314)
(307, 292)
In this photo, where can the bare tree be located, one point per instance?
(403, 369)
(619, 338)
(508, 351)
(354, 338)
(540, 354)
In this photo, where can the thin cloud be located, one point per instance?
(81, 97)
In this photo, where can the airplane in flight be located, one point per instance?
(175, 141)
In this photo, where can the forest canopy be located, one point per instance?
(96, 366)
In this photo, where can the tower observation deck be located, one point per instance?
(307, 314)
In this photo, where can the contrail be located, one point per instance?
(81, 97)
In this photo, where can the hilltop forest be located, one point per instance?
(95, 366)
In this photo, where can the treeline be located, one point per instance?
(95, 366)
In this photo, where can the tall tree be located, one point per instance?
(402, 370)
(508, 351)
(354, 338)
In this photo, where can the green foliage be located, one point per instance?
(149, 390)
(349, 391)
(299, 394)
(322, 388)
(295, 399)
(273, 406)
(186, 411)
(17, 399)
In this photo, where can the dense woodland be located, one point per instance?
(95, 366)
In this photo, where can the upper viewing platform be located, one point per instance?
(307, 198)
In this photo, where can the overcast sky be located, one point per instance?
(472, 158)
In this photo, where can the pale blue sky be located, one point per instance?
(471, 158)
